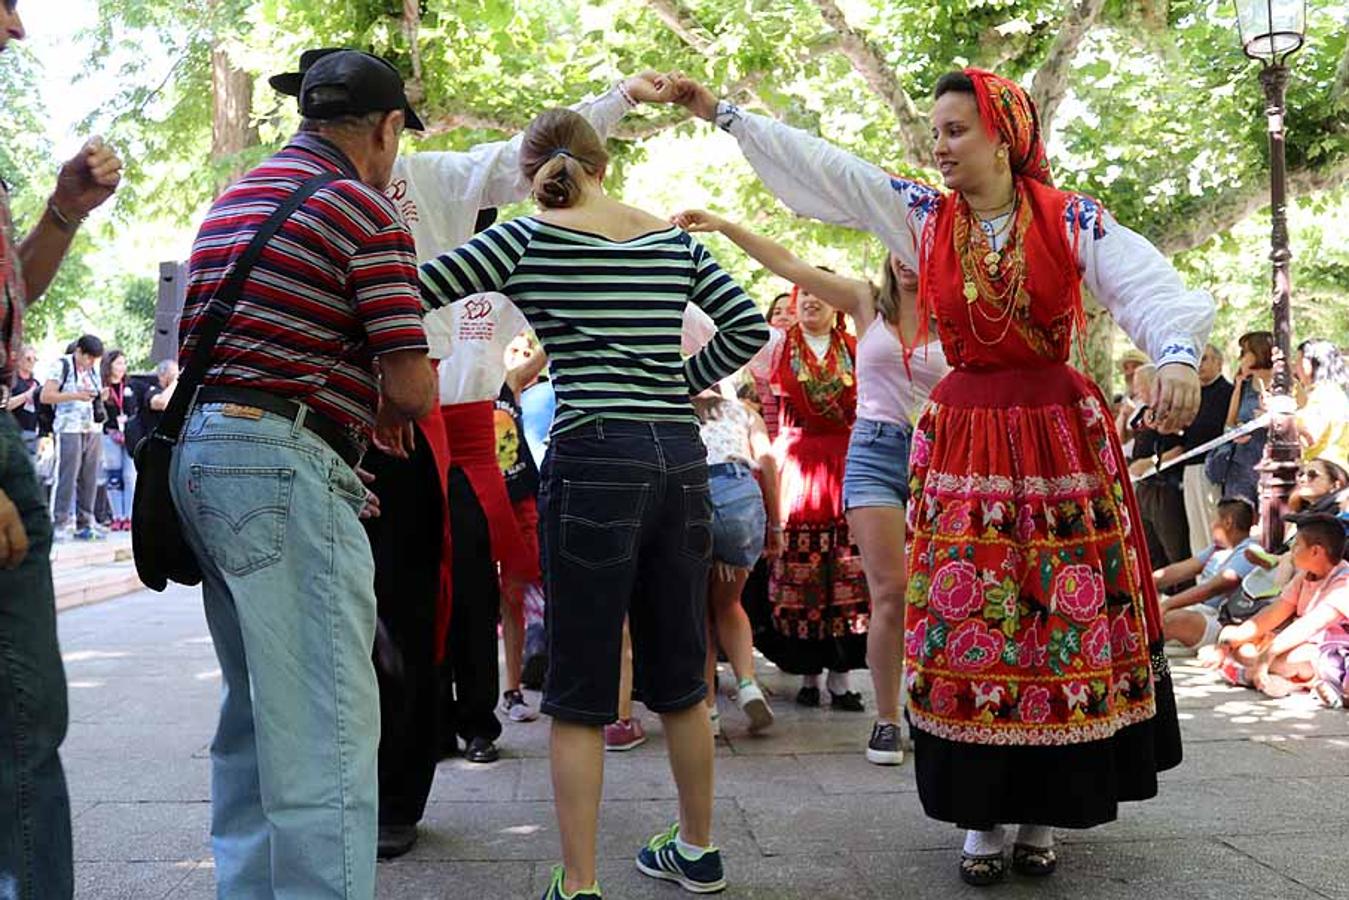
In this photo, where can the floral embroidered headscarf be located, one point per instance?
(1009, 114)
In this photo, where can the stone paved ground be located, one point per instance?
(1260, 808)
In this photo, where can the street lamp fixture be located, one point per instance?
(1271, 31)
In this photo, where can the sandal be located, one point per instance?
(982, 870)
(1034, 861)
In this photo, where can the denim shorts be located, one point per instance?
(626, 521)
(877, 471)
(738, 517)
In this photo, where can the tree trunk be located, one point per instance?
(1098, 343)
(232, 128)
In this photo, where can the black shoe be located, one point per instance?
(482, 750)
(883, 749)
(1036, 862)
(531, 676)
(808, 696)
(395, 840)
(848, 701)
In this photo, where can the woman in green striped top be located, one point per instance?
(624, 504)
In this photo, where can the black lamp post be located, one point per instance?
(1272, 31)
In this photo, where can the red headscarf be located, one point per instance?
(1009, 114)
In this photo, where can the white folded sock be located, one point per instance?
(838, 682)
(810, 681)
(985, 843)
(1040, 836)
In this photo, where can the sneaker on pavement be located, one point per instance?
(661, 858)
(87, 534)
(555, 891)
(755, 706)
(624, 734)
(714, 716)
(884, 747)
(516, 709)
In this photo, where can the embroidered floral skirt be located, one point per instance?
(820, 605)
(1033, 693)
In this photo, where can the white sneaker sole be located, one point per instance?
(760, 715)
(695, 887)
(527, 715)
(621, 748)
(885, 757)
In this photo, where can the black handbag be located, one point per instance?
(162, 553)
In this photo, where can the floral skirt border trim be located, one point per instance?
(1032, 735)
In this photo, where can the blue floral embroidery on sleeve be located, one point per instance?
(920, 199)
(1087, 214)
(1177, 349)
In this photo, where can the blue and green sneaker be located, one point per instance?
(555, 891)
(662, 858)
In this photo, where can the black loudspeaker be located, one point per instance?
(168, 310)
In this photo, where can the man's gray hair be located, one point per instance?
(350, 125)
(1213, 348)
(165, 366)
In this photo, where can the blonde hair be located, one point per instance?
(560, 147)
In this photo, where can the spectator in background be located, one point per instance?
(25, 391)
(1132, 400)
(119, 404)
(157, 396)
(1320, 484)
(1323, 420)
(1191, 616)
(1160, 499)
(1129, 363)
(1232, 466)
(1201, 494)
(75, 387)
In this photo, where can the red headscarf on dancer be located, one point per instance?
(1009, 114)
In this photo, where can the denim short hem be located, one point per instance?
(692, 698)
(872, 501)
(577, 716)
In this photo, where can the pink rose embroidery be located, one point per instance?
(1025, 523)
(1091, 412)
(955, 591)
(915, 640)
(920, 452)
(944, 697)
(1096, 642)
(1079, 592)
(1034, 705)
(973, 647)
(1032, 649)
(955, 519)
(1123, 641)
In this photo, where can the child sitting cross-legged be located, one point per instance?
(1275, 651)
(1191, 616)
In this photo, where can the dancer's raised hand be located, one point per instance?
(693, 96)
(650, 87)
(698, 220)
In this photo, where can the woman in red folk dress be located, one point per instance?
(1037, 691)
(820, 606)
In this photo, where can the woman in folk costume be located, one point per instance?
(1037, 690)
(820, 607)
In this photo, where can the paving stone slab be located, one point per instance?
(459, 781)
(143, 832)
(1297, 857)
(404, 879)
(851, 821)
(850, 773)
(130, 880)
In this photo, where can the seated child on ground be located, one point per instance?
(1276, 650)
(1191, 616)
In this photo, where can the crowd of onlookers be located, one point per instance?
(1276, 621)
(81, 415)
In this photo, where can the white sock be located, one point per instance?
(838, 682)
(687, 850)
(810, 681)
(1041, 836)
(985, 843)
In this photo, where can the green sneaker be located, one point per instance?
(555, 891)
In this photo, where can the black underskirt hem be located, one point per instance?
(1071, 786)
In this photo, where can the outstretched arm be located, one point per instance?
(850, 295)
(741, 329)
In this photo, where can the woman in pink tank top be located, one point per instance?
(890, 395)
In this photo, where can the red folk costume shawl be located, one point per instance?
(1030, 606)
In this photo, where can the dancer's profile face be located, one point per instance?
(907, 278)
(965, 155)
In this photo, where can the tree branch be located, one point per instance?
(628, 130)
(1232, 206)
(1339, 91)
(1051, 79)
(868, 61)
(411, 24)
(681, 22)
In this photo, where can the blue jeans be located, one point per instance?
(288, 583)
(120, 474)
(34, 806)
(738, 517)
(877, 469)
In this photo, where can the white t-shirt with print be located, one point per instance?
(470, 337)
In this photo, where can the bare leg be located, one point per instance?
(577, 756)
(688, 740)
(1184, 625)
(625, 677)
(879, 533)
(731, 622)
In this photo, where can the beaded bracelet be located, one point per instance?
(627, 97)
(64, 222)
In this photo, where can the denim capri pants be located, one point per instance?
(877, 469)
(738, 517)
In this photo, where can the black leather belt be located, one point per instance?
(332, 434)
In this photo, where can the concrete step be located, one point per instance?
(82, 585)
(115, 547)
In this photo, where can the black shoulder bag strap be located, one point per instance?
(221, 307)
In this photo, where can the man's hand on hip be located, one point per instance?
(13, 536)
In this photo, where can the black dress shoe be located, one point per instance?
(808, 696)
(395, 840)
(481, 750)
(848, 701)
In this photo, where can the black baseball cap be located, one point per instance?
(369, 83)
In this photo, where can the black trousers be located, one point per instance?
(469, 679)
(406, 542)
(1164, 521)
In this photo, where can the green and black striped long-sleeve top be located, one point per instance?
(608, 313)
